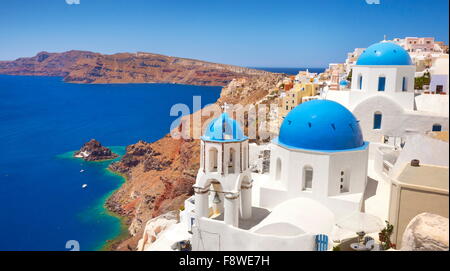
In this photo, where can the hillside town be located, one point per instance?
(359, 162)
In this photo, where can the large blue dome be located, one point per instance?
(384, 53)
(224, 129)
(322, 125)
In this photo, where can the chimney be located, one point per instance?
(415, 163)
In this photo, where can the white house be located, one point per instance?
(439, 75)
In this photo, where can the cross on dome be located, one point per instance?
(225, 107)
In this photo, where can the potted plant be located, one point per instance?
(385, 237)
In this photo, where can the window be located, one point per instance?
(404, 88)
(437, 128)
(307, 177)
(381, 83)
(360, 80)
(231, 162)
(344, 183)
(377, 118)
(212, 160)
(244, 162)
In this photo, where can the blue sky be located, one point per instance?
(277, 33)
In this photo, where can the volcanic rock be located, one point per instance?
(94, 151)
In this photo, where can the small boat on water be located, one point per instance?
(84, 186)
(81, 171)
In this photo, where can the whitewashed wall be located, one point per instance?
(428, 150)
(217, 236)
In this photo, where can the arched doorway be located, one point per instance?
(307, 178)
(232, 161)
(216, 199)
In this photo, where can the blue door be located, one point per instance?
(377, 121)
(381, 83)
(321, 242)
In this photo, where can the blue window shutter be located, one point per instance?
(404, 84)
(381, 83)
(377, 121)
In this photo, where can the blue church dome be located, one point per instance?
(321, 125)
(384, 53)
(224, 129)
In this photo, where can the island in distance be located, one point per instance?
(94, 151)
(95, 68)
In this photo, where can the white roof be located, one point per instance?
(307, 215)
(174, 233)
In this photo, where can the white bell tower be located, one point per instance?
(223, 184)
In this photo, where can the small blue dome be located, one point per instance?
(384, 53)
(343, 83)
(224, 129)
(322, 125)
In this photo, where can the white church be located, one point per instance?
(383, 99)
(318, 175)
(318, 163)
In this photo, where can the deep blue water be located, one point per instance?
(290, 71)
(42, 119)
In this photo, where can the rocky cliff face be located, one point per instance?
(94, 151)
(160, 175)
(88, 67)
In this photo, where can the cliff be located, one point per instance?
(95, 68)
(159, 176)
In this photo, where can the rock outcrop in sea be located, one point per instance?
(94, 151)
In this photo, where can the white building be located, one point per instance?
(319, 154)
(423, 51)
(383, 99)
(321, 169)
(439, 75)
(318, 175)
